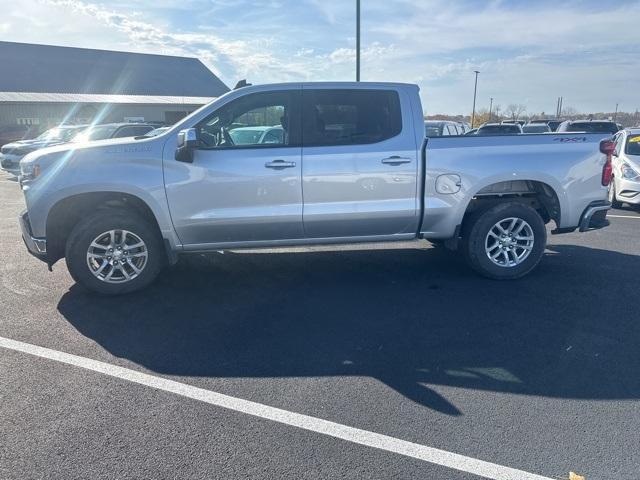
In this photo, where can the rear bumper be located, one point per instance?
(36, 246)
(595, 216)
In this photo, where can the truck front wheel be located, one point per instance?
(505, 241)
(114, 252)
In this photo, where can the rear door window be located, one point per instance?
(350, 116)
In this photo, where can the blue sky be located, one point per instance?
(529, 52)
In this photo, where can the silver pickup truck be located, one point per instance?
(306, 164)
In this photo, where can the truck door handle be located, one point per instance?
(396, 160)
(278, 164)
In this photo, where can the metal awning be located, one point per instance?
(30, 97)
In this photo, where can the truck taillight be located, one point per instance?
(607, 147)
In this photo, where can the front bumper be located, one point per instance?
(595, 216)
(10, 163)
(36, 246)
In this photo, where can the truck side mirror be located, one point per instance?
(187, 142)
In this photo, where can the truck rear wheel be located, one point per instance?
(114, 252)
(504, 242)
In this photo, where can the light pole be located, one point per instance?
(615, 115)
(475, 92)
(357, 40)
(490, 107)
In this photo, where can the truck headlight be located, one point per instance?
(629, 173)
(29, 171)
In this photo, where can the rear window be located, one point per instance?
(633, 145)
(592, 127)
(433, 131)
(506, 129)
(350, 117)
(537, 128)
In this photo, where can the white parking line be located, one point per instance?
(306, 422)
(624, 216)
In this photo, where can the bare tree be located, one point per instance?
(497, 112)
(514, 110)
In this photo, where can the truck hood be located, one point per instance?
(46, 157)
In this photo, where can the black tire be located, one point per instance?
(612, 195)
(476, 230)
(102, 221)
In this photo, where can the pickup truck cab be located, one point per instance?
(352, 164)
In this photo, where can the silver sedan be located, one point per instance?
(625, 184)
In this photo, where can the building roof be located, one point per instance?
(30, 97)
(47, 69)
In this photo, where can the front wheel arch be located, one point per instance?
(67, 212)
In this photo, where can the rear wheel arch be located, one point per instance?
(536, 194)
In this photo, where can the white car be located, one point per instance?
(625, 184)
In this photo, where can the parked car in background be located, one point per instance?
(442, 128)
(113, 130)
(513, 122)
(551, 122)
(352, 167)
(12, 153)
(257, 135)
(554, 124)
(473, 131)
(14, 133)
(588, 126)
(465, 127)
(500, 129)
(625, 183)
(536, 128)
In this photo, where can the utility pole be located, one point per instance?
(490, 107)
(357, 40)
(475, 92)
(560, 102)
(615, 115)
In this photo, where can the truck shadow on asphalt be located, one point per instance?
(408, 317)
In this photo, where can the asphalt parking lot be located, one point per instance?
(540, 375)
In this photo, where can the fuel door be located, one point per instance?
(448, 184)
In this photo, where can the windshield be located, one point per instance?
(157, 131)
(59, 134)
(95, 133)
(633, 145)
(52, 134)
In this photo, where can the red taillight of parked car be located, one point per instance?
(607, 147)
